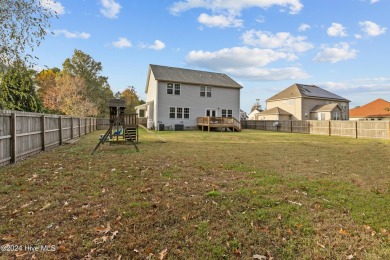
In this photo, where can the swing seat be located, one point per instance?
(118, 133)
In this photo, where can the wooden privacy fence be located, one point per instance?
(355, 129)
(24, 134)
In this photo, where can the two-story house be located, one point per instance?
(177, 96)
(305, 102)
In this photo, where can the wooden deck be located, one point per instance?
(219, 122)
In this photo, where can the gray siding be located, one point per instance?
(221, 98)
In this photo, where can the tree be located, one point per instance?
(47, 89)
(17, 89)
(131, 98)
(23, 26)
(84, 66)
(72, 96)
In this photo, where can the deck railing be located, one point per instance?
(219, 122)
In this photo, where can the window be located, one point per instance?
(205, 91)
(169, 88)
(336, 116)
(172, 112)
(227, 113)
(177, 89)
(173, 88)
(142, 113)
(179, 112)
(186, 112)
(343, 106)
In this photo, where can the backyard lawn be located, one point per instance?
(249, 195)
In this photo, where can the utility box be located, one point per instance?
(179, 127)
(161, 127)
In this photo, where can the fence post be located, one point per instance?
(90, 124)
(291, 126)
(329, 128)
(85, 126)
(79, 126)
(60, 126)
(71, 128)
(43, 128)
(13, 137)
(356, 129)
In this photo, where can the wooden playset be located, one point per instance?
(124, 125)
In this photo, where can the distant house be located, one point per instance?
(305, 102)
(253, 113)
(176, 96)
(376, 110)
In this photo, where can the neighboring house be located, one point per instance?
(376, 110)
(253, 113)
(305, 102)
(176, 96)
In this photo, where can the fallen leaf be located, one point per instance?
(20, 254)
(45, 207)
(261, 257)
(163, 254)
(114, 234)
(104, 230)
(350, 257)
(8, 238)
(343, 232)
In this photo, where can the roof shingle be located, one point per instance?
(376, 108)
(311, 91)
(197, 77)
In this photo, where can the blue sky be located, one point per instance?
(265, 45)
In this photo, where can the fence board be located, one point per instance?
(23, 134)
(355, 129)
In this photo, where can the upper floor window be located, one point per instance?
(173, 88)
(205, 91)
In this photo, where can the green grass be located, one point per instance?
(202, 196)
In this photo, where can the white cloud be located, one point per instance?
(110, 8)
(234, 6)
(281, 40)
(245, 62)
(338, 52)
(374, 1)
(371, 28)
(273, 74)
(55, 7)
(236, 57)
(303, 27)
(122, 43)
(380, 84)
(336, 29)
(221, 21)
(158, 45)
(69, 34)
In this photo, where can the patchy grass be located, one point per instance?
(201, 196)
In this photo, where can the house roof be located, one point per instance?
(275, 111)
(196, 77)
(325, 108)
(376, 108)
(306, 91)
